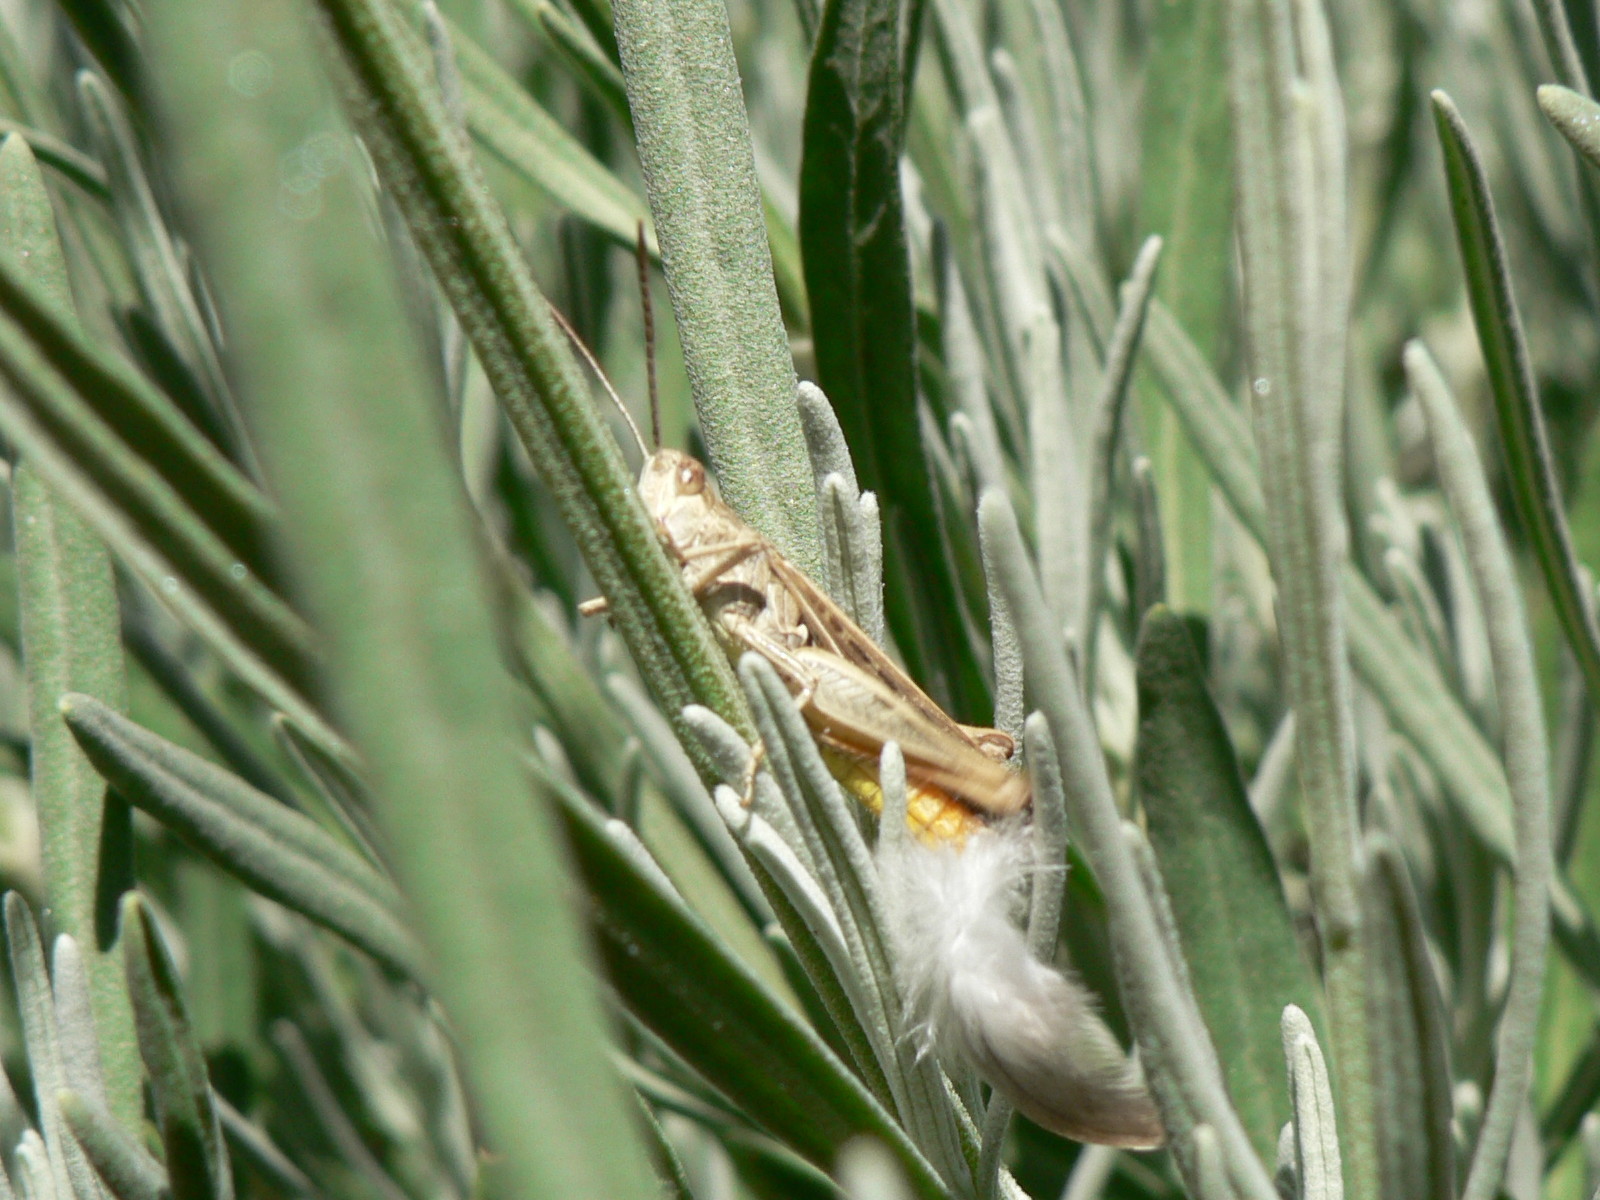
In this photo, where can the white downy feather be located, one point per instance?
(981, 998)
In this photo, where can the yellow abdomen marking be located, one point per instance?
(931, 813)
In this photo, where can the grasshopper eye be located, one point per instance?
(691, 478)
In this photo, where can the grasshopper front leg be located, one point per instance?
(705, 577)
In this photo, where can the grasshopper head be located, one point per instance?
(678, 493)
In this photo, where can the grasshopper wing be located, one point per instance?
(831, 629)
(853, 709)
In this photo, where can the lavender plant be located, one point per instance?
(1182, 389)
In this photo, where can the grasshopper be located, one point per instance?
(854, 697)
(1029, 1029)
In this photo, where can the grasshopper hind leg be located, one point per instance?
(758, 759)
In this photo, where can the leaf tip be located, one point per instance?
(1296, 1024)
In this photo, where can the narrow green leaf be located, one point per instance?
(1411, 1036)
(328, 1110)
(425, 161)
(592, 64)
(708, 1006)
(699, 169)
(682, 788)
(1398, 673)
(140, 417)
(61, 156)
(107, 31)
(1122, 351)
(256, 1150)
(270, 847)
(1238, 936)
(669, 1168)
(191, 1135)
(178, 682)
(1527, 764)
(1186, 200)
(594, 14)
(1576, 1097)
(380, 539)
(858, 276)
(574, 707)
(158, 263)
(515, 128)
(141, 518)
(1559, 44)
(338, 781)
(1523, 440)
(1177, 1050)
(42, 412)
(1290, 171)
(125, 1166)
(70, 640)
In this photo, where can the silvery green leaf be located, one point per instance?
(683, 788)
(126, 1168)
(36, 1008)
(830, 454)
(1526, 756)
(79, 1041)
(1317, 1164)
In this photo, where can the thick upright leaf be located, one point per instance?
(1238, 937)
(714, 1012)
(863, 315)
(1188, 202)
(380, 540)
(1389, 663)
(70, 641)
(191, 1134)
(695, 149)
(1419, 703)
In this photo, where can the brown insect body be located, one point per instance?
(1031, 1030)
(853, 695)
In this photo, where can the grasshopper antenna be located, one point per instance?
(642, 254)
(588, 357)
